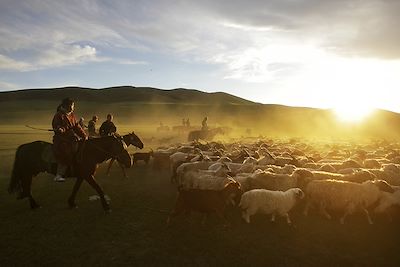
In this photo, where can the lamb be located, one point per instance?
(269, 202)
(344, 196)
(206, 201)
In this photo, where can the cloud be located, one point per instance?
(62, 55)
(7, 63)
(130, 62)
(355, 27)
(347, 27)
(55, 56)
(254, 41)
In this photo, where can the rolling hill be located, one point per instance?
(150, 106)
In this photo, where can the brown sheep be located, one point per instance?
(206, 201)
(142, 156)
(161, 160)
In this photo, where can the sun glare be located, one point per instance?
(352, 113)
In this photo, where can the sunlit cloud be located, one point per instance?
(56, 56)
(7, 63)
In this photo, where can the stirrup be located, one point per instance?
(59, 178)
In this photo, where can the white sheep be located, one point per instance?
(204, 179)
(322, 175)
(344, 196)
(269, 202)
(244, 179)
(208, 182)
(190, 166)
(178, 157)
(273, 181)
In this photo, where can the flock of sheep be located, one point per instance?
(272, 176)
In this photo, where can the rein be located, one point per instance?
(103, 150)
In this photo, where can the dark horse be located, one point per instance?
(130, 139)
(36, 157)
(205, 134)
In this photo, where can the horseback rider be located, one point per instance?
(67, 133)
(92, 126)
(82, 122)
(108, 127)
(204, 126)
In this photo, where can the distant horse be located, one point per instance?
(205, 134)
(130, 139)
(163, 128)
(36, 157)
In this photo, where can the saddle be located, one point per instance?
(51, 162)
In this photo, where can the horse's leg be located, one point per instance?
(123, 169)
(90, 179)
(32, 202)
(71, 199)
(27, 191)
(109, 166)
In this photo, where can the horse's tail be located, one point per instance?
(15, 185)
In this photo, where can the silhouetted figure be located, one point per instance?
(92, 126)
(82, 122)
(204, 126)
(187, 123)
(108, 127)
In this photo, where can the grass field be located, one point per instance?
(135, 233)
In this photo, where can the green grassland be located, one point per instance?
(135, 233)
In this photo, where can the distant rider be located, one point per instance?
(92, 126)
(82, 122)
(204, 126)
(108, 127)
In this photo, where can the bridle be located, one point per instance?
(111, 155)
(134, 140)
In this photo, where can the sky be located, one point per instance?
(314, 53)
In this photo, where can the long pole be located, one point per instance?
(41, 129)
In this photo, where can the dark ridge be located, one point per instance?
(124, 94)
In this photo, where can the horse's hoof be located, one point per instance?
(72, 205)
(35, 207)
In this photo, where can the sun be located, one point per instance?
(352, 113)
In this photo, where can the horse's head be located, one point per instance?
(120, 152)
(133, 139)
